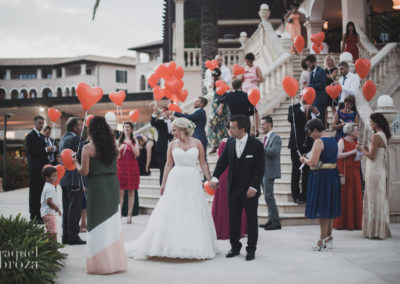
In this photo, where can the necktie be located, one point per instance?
(312, 76)
(306, 114)
(265, 140)
(344, 79)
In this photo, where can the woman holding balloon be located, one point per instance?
(128, 167)
(252, 76)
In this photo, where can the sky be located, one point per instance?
(64, 28)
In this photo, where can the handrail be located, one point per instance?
(367, 49)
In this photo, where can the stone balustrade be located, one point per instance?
(231, 56)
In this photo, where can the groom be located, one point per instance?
(245, 156)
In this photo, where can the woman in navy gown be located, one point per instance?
(323, 188)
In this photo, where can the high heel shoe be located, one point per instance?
(317, 247)
(129, 221)
(329, 242)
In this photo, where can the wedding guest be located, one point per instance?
(72, 185)
(299, 143)
(220, 207)
(331, 73)
(305, 75)
(37, 150)
(252, 76)
(225, 72)
(272, 148)
(52, 155)
(103, 214)
(294, 19)
(350, 83)
(351, 204)
(318, 82)
(219, 117)
(161, 121)
(351, 40)
(128, 168)
(344, 115)
(323, 192)
(375, 222)
(145, 154)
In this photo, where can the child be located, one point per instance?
(49, 205)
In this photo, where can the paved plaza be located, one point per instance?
(283, 256)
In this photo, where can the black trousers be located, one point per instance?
(161, 159)
(296, 174)
(35, 192)
(321, 110)
(250, 205)
(72, 206)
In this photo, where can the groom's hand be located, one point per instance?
(213, 185)
(251, 193)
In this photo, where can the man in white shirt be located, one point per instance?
(226, 75)
(350, 82)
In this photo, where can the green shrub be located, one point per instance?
(27, 252)
(17, 173)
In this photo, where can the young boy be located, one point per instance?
(49, 205)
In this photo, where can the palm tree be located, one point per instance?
(96, 5)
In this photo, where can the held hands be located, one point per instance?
(251, 193)
(302, 159)
(214, 185)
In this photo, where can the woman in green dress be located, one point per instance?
(105, 248)
(217, 130)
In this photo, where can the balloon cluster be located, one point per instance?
(317, 40)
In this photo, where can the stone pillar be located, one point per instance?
(38, 74)
(83, 69)
(179, 32)
(313, 26)
(137, 57)
(53, 73)
(354, 14)
(8, 74)
(161, 56)
(63, 72)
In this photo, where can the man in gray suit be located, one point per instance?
(272, 150)
(72, 186)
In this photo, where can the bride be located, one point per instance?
(181, 225)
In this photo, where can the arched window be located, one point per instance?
(23, 94)
(59, 92)
(142, 83)
(14, 94)
(32, 94)
(67, 93)
(47, 93)
(2, 94)
(73, 92)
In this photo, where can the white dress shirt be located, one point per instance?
(225, 76)
(240, 144)
(350, 86)
(313, 115)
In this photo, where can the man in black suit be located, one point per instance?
(52, 155)
(72, 186)
(245, 156)
(238, 103)
(199, 118)
(160, 121)
(318, 82)
(299, 144)
(37, 151)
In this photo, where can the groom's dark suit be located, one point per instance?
(244, 172)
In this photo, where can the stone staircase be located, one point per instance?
(290, 212)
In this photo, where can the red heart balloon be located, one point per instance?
(117, 97)
(54, 114)
(316, 47)
(161, 71)
(219, 83)
(152, 80)
(362, 67)
(211, 64)
(318, 38)
(174, 107)
(334, 91)
(254, 96)
(208, 189)
(134, 115)
(299, 43)
(88, 119)
(171, 68)
(60, 173)
(66, 158)
(290, 85)
(237, 70)
(309, 95)
(88, 96)
(369, 90)
(183, 95)
(179, 72)
(157, 93)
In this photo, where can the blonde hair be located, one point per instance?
(184, 124)
(326, 58)
(348, 127)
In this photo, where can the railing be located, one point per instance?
(231, 56)
(366, 48)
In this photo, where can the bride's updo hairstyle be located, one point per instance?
(186, 125)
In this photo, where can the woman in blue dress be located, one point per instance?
(345, 115)
(323, 188)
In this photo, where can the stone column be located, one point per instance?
(83, 69)
(8, 74)
(137, 57)
(313, 26)
(355, 14)
(38, 74)
(53, 73)
(179, 32)
(63, 72)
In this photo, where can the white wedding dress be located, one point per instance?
(181, 225)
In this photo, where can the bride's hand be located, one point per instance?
(162, 189)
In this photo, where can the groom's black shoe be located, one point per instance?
(265, 225)
(250, 255)
(232, 253)
(273, 227)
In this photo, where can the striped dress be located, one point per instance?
(105, 248)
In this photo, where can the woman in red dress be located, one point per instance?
(128, 167)
(351, 40)
(351, 197)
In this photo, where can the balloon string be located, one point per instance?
(84, 122)
(294, 129)
(80, 143)
(54, 132)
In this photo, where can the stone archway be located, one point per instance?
(2, 94)
(23, 94)
(47, 93)
(14, 94)
(67, 92)
(32, 94)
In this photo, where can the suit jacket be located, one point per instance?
(71, 178)
(244, 172)
(164, 136)
(304, 143)
(53, 154)
(199, 118)
(318, 82)
(273, 156)
(238, 103)
(36, 150)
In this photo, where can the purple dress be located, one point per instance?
(220, 207)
